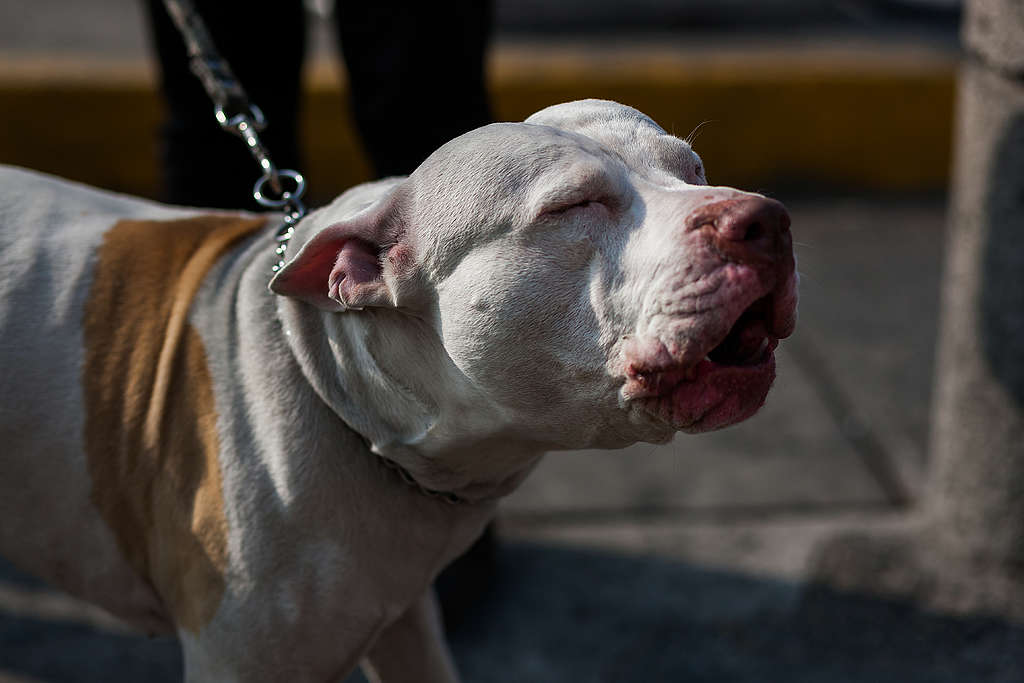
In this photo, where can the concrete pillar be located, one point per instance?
(975, 497)
(963, 549)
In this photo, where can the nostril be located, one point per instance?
(754, 232)
(748, 225)
(748, 230)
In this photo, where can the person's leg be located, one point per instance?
(264, 42)
(416, 74)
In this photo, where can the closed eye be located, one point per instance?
(559, 210)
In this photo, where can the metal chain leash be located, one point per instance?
(236, 114)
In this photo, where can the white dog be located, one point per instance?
(278, 475)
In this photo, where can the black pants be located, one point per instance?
(416, 75)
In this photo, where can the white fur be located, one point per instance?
(502, 339)
(50, 231)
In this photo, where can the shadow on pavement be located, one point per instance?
(42, 649)
(558, 614)
(71, 652)
(571, 615)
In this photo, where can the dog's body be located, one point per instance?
(198, 454)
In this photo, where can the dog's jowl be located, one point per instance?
(276, 469)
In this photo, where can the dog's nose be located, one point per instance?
(746, 230)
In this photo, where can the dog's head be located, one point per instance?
(578, 272)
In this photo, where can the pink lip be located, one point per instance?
(716, 396)
(722, 381)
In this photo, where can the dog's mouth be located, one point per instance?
(722, 381)
(749, 341)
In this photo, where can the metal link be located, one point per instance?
(254, 115)
(245, 127)
(290, 201)
(286, 197)
(213, 72)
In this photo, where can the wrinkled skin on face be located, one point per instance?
(583, 283)
(617, 282)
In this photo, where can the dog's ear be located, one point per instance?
(343, 266)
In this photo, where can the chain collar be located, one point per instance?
(445, 496)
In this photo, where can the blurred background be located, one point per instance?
(795, 94)
(719, 557)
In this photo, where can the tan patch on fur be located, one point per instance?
(151, 423)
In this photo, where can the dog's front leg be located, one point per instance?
(412, 648)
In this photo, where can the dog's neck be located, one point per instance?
(388, 377)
